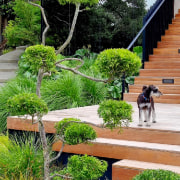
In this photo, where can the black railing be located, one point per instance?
(157, 26)
(154, 25)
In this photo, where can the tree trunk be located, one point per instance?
(39, 80)
(45, 150)
(71, 31)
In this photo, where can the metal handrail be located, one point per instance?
(145, 25)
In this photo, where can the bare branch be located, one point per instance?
(47, 74)
(71, 30)
(59, 153)
(75, 71)
(61, 20)
(45, 20)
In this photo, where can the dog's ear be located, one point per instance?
(144, 87)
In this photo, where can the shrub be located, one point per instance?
(40, 57)
(86, 167)
(27, 103)
(12, 88)
(114, 62)
(115, 113)
(20, 159)
(157, 175)
(75, 133)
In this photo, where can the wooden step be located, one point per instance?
(164, 51)
(140, 80)
(165, 89)
(166, 98)
(171, 37)
(173, 26)
(160, 72)
(172, 32)
(131, 133)
(164, 58)
(127, 169)
(168, 44)
(162, 65)
(122, 149)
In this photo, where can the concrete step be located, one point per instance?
(162, 65)
(165, 89)
(160, 72)
(161, 57)
(166, 98)
(4, 76)
(122, 149)
(166, 51)
(8, 67)
(140, 80)
(127, 169)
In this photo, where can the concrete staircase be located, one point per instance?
(163, 64)
(9, 64)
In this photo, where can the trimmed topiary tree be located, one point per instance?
(157, 175)
(115, 113)
(115, 62)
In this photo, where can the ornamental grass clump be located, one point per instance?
(115, 113)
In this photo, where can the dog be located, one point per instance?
(145, 104)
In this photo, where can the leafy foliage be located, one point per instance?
(86, 167)
(6, 8)
(157, 175)
(40, 57)
(12, 88)
(20, 159)
(27, 103)
(25, 29)
(91, 2)
(115, 62)
(138, 50)
(75, 133)
(115, 113)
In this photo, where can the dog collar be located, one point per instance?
(146, 99)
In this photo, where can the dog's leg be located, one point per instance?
(145, 115)
(153, 111)
(140, 117)
(148, 117)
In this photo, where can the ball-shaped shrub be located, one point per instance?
(115, 113)
(86, 167)
(114, 62)
(157, 175)
(74, 132)
(40, 57)
(26, 104)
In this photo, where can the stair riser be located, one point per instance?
(155, 82)
(132, 134)
(164, 51)
(170, 38)
(172, 32)
(161, 66)
(122, 152)
(13, 66)
(163, 58)
(164, 90)
(163, 99)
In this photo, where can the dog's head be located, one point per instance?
(154, 91)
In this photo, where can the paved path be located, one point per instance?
(167, 116)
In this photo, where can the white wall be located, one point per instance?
(176, 6)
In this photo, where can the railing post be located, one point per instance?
(123, 86)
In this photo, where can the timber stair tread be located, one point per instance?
(123, 149)
(162, 65)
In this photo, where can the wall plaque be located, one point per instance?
(168, 81)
